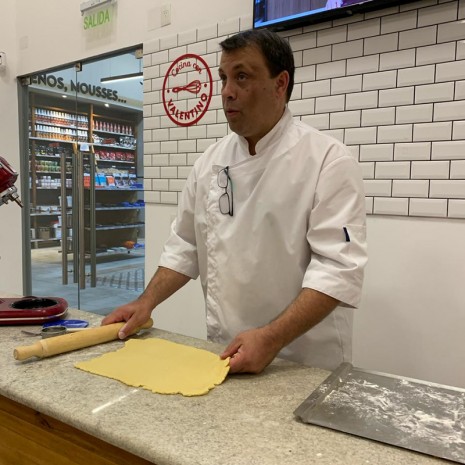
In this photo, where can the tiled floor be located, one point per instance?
(118, 281)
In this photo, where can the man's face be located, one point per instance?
(253, 101)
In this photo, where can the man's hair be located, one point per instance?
(276, 51)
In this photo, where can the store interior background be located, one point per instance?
(113, 121)
(411, 321)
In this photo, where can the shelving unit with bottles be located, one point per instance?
(45, 181)
(55, 126)
(114, 145)
(58, 125)
(119, 222)
(119, 207)
(57, 135)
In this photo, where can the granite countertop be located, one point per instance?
(246, 420)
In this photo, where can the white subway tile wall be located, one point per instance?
(390, 84)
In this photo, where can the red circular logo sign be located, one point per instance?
(187, 89)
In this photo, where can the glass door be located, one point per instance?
(55, 128)
(85, 183)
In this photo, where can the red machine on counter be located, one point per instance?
(8, 177)
(31, 309)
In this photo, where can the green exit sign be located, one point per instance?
(97, 19)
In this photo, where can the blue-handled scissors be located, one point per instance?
(67, 323)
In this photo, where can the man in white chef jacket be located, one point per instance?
(272, 219)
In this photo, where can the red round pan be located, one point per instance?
(31, 310)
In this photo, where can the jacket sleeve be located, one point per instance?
(180, 250)
(337, 232)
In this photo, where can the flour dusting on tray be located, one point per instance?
(413, 414)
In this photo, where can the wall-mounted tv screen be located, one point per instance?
(279, 15)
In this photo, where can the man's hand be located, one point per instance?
(251, 351)
(164, 283)
(134, 313)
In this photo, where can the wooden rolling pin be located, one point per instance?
(68, 342)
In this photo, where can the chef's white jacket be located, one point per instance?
(299, 222)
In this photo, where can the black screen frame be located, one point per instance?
(283, 24)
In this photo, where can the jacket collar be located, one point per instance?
(271, 137)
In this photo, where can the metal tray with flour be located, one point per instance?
(409, 413)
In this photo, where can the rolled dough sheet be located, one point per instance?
(161, 366)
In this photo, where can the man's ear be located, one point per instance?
(282, 83)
